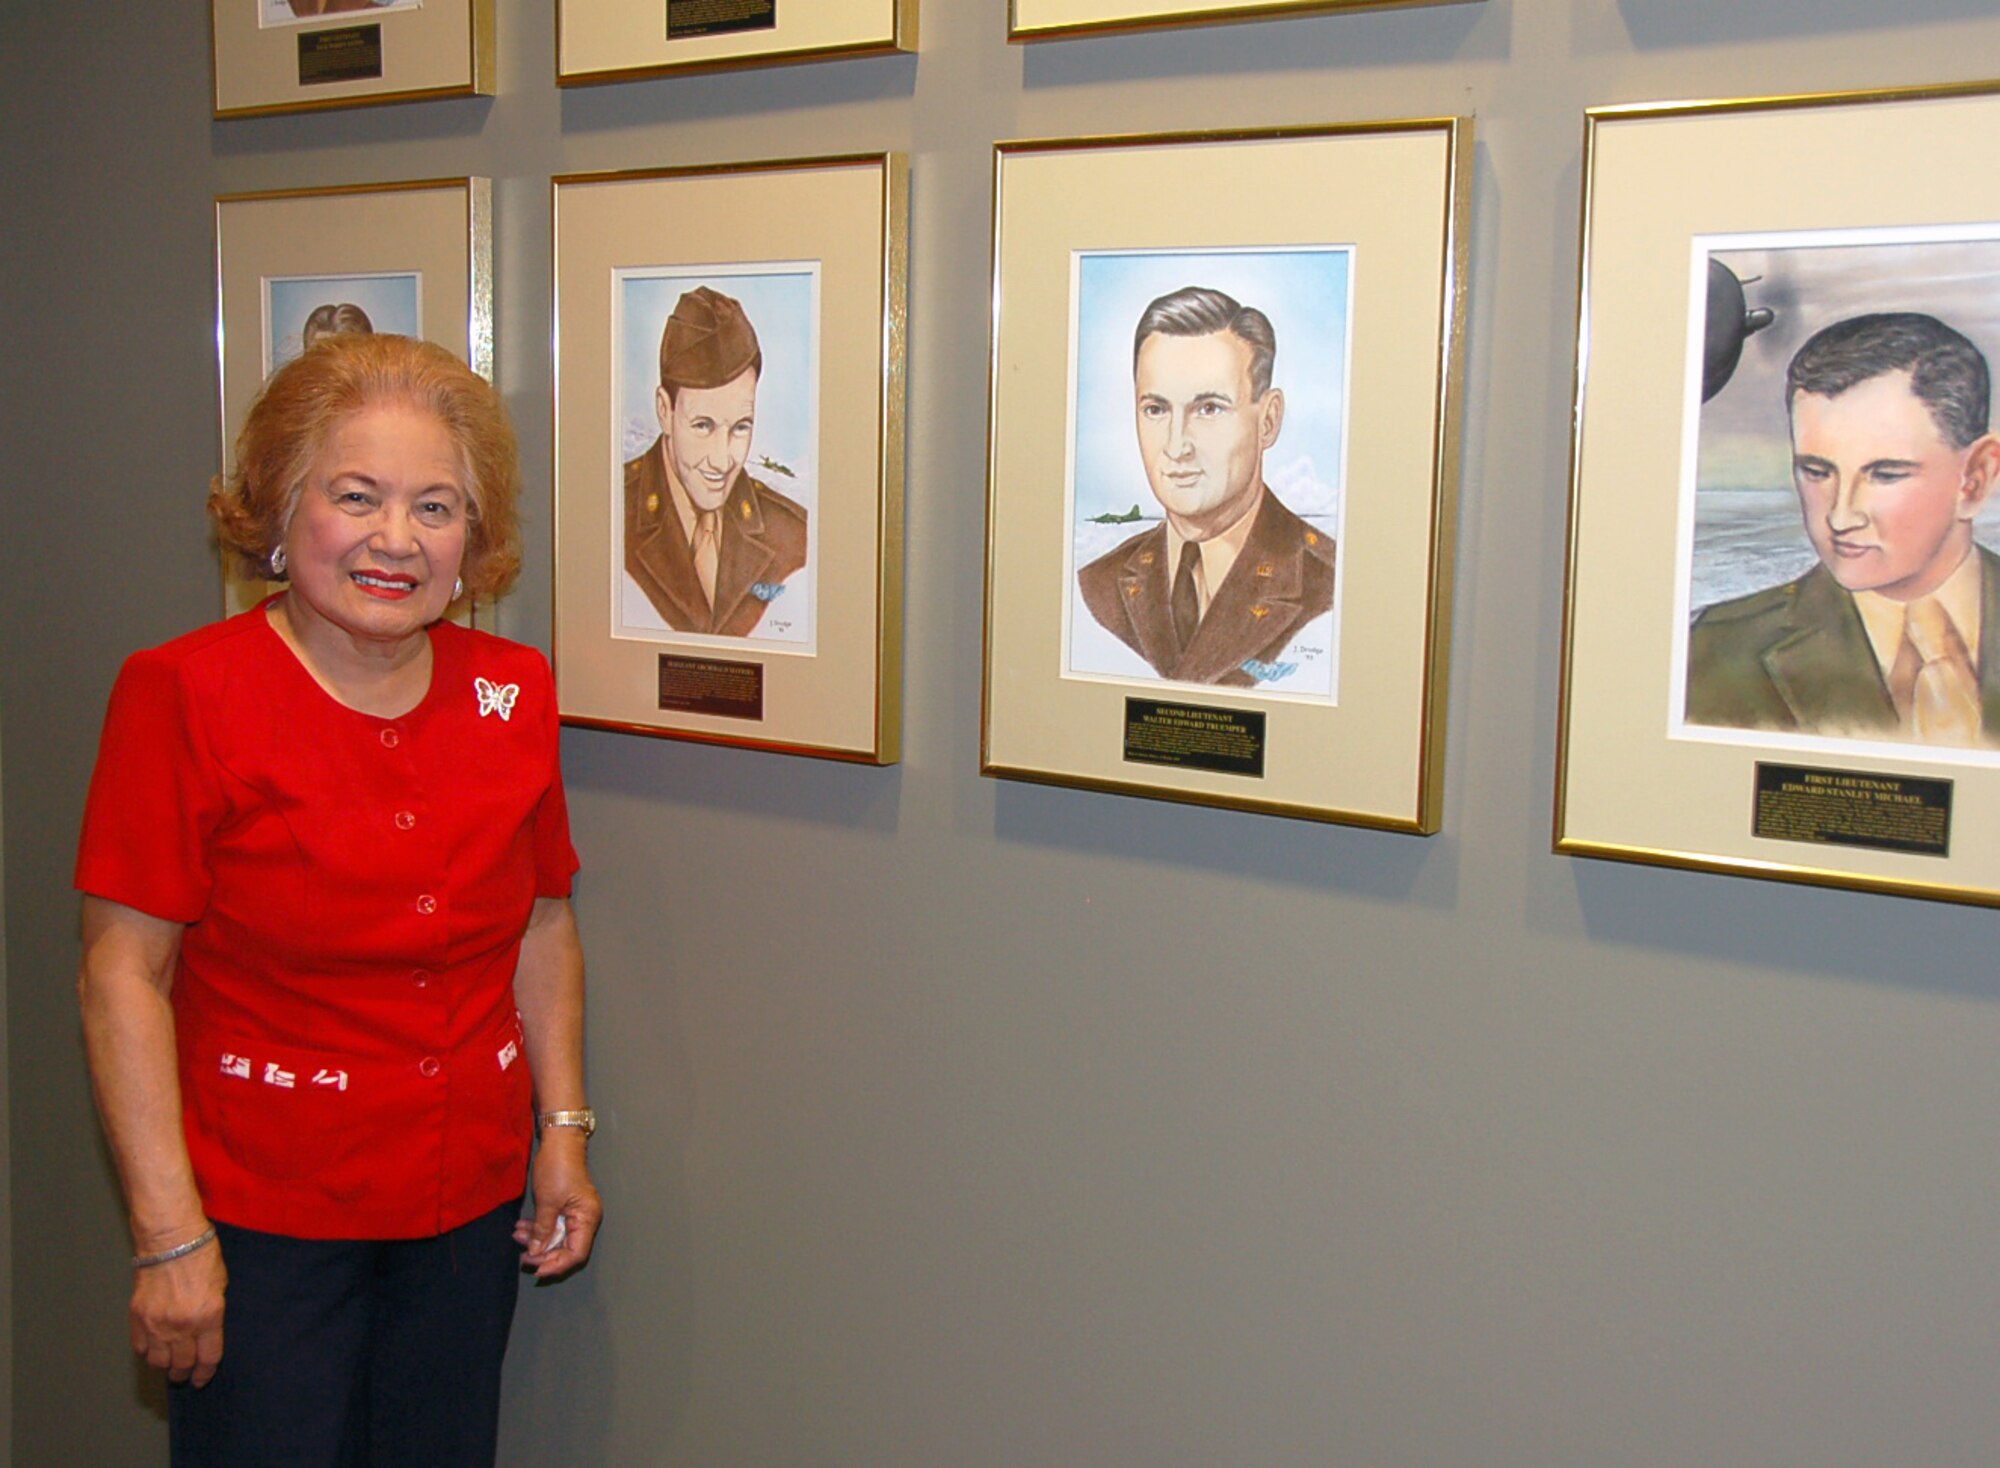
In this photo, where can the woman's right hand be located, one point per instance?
(177, 1314)
(129, 959)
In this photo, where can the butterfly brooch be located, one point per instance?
(496, 698)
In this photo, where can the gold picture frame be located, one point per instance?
(302, 55)
(415, 258)
(1053, 20)
(1753, 480)
(1350, 243)
(793, 640)
(630, 40)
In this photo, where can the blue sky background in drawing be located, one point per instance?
(1305, 292)
(392, 302)
(782, 303)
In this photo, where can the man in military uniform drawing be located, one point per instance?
(710, 545)
(1218, 590)
(1893, 634)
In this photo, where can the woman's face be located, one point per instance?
(375, 542)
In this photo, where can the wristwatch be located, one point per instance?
(584, 1120)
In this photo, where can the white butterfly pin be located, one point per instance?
(496, 698)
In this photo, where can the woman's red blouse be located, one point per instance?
(354, 892)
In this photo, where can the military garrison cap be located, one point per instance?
(708, 341)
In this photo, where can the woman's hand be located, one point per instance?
(548, 987)
(567, 1209)
(128, 1030)
(177, 1314)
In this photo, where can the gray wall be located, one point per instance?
(6, 1192)
(953, 1122)
(15, 228)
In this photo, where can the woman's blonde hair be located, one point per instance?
(309, 397)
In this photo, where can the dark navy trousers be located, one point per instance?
(340, 1353)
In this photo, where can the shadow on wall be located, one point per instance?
(1661, 24)
(562, 1386)
(652, 775)
(1901, 943)
(592, 1362)
(455, 120)
(607, 1356)
(1309, 856)
(747, 92)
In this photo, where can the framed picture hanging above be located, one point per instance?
(729, 453)
(1223, 466)
(1048, 20)
(296, 55)
(629, 40)
(1781, 649)
(411, 258)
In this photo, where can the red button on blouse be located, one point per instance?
(233, 795)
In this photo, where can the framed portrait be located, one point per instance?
(1223, 466)
(729, 453)
(628, 40)
(1048, 20)
(295, 55)
(1782, 638)
(410, 258)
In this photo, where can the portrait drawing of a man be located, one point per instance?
(309, 9)
(708, 544)
(333, 318)
(1220, 588)
(1893, 634)
(302, 309)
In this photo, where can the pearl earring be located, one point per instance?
(278, 562)
(457, 587)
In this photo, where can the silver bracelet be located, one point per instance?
(179, 1251)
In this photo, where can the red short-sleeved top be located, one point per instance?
(354, 891)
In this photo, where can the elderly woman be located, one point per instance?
(332, 990)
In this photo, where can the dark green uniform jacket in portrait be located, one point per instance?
(1797, 657)
(1282, 580)
(763, 542)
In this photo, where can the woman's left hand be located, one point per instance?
(548, 987)
(567, 1209)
